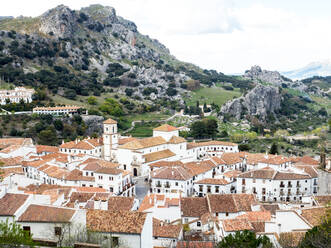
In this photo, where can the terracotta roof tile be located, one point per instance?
(231, 203)
(214, 181)
(77, 175)
(144, 143)
(171, 173)
(115, 221)
(194, 206)
(212, 143)
(123, 141)
(176, 140)
(231, 158)
(323, 200)
(164, 230)
(314, 215)
(39, 213)
(256, 216)
(10, 203)
(291, 239)
(195, 244)
(42, 148)
(196, 168)
(14, 161)
(86, 144)
(117, 203)
(164, 163)
(165, 128)
(154, 156)
(109, 171)
(110, 121)
(233, 225)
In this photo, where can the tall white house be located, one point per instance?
(110, 137)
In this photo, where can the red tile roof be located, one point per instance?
(233, 225)
(115, 221)
(49, 214)
(165, 128)
(10, 203)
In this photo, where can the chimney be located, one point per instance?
(76, 141)
(150, 200)
(62, 142)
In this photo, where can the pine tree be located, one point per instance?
(274, 149)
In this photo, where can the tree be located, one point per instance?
(47, 137)
(12, 235)
(274, 148)
(245, 239)
(318, 236)
(92, 100)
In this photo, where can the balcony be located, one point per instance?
(167, 185)
(289, 185)
(158, 185)
(281, 185)
(315, 184)
(298, 185)
(281, 193)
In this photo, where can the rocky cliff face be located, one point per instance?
(92, 38)
(257, 75)
(260, 101)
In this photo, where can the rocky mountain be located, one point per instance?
(319, 68)
(257, 75)
(260, 101)
(92, 50)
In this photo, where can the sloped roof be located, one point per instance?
(110, 121)
(115, 221)
(143, 143)
(194, 206)
(214, 181)
(176, 140)
(154, 156)
(165, 128)
(10, 203)
(314, 215)
(165, 230)
(233, 225)
(171, 173)
(110, 171)
(231, 203)
(39, 213)
(117, 203)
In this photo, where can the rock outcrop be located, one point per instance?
(257, 75)
(260, 101)
(60, 22)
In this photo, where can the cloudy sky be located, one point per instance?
(226, 35)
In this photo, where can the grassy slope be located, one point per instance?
(211, 95)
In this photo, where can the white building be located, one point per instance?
(168, 180)
(212, 186)
(58, 110)
(52, 223)
(272, 185)
(91, 147)
(16, 96)
(135, 154)
(122, 228)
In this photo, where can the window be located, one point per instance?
(198, 223)
(226, 214)
(176, 183)
(27, 229)
(57, 230)
(114, 241)
(100, 177)
(186, 220)
(111, 189)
